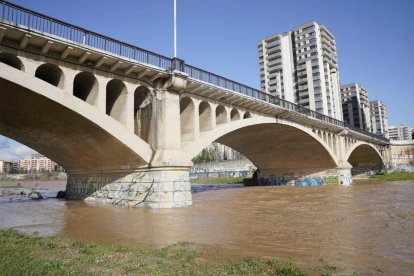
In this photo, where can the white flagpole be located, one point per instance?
(175, 29)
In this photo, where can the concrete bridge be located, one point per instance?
(125, 122)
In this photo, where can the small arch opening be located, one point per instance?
(116, 100)
(247, 115)
(187, 119)
(11, 60)
(221, 115)
(85, 87)
(50, 73)
(204, 116)
(143, 113)
(234, 115)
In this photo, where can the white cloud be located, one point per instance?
(13, 151)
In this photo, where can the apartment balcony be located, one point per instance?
(273, 44)
(274, 56)
(274, 69)
(273, 50)
(274, 63)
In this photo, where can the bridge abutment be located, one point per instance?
(339, 175)
(155, 188)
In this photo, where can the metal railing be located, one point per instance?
(214, 79)
(32, 20)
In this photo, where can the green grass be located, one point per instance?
(223, 180)
(22, 254)
(395, 176)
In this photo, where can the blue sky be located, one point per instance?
(374, 38)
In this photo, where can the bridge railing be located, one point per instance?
(214, 79)
(32, 20)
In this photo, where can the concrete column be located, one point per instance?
(129, 108)
(196, 119)
(213, 116)
(101, 103)
(228, 113)
(69, 77)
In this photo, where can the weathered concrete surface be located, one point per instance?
(162, 188)
(65, 128)
(280, 149)
(365, 158)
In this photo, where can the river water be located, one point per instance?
(366, 228)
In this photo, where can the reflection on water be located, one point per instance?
(367, 228)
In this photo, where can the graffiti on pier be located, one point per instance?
(302, 180)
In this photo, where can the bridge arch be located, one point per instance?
(50, 73)
(364, 157)
(204, 116)
(234, 115)
(187, 109)
(116, 100)
(12, 61)
(66, 129)
(86, 88)
(247, 115)
(143, 113)
(221, 115)
(274, 146)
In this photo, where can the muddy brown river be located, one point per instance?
(366, 228)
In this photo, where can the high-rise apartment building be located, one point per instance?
(379, 118)
(301, 66)
(400, 132)
(355, 106)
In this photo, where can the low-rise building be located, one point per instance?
(6, 166)
(37, 163)
(400, 132)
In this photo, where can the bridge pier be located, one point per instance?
(166, 187)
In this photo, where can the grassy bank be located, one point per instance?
(223, 180)
(395, 176)
(22, 254)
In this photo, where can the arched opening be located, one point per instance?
(50, 73)
(221, 115)
(143, 113)
(187, 119)
(116, 96)
(11, 60)
(279, 151)
(247, 115)
(234, 115)
(364, 159)
(85, 87)
(204, 116)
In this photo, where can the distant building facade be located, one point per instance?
(355, 106)
(6, 166)
(400, 132)
(37, 163)
(301, 66)
(379, 118)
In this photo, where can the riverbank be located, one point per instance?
(22, 254)
(395, 176)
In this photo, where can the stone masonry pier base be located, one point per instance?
(154, 188)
